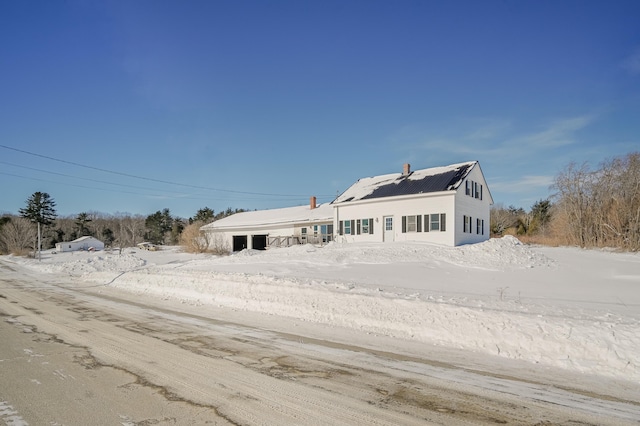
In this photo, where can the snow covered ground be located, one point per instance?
(557, 307)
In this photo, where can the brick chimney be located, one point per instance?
(312, 203)
(406, 169)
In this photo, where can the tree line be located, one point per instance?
(588, 208)
(19, 233)
(600, 207)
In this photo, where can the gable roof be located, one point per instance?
(287, 215)
(435, 179)
(85, 238)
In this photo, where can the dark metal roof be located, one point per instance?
(418, 182)
(407, 186)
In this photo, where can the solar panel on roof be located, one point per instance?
(405, 185)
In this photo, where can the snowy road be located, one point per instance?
(74, 353)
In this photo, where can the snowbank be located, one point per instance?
(553, 307)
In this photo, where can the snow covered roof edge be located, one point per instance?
(84, 238)
(286, 215)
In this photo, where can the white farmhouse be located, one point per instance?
(261, 229)
(82, 243)
(445, 205)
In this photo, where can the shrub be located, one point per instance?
(193, 240)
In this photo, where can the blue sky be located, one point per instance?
(136, 106)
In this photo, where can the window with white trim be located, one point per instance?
(411, 223)
(365, 226)
(356, 227)
(435, 222)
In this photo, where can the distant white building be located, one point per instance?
(447, 205)
(82, 243)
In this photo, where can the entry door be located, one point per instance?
(388, 228)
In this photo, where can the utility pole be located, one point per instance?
(39, 244)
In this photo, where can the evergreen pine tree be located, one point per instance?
(41, 210)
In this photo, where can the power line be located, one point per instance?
(179, 196)
(89, 187)
(78, 177)
(143, 177)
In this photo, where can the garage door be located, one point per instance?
(239, 242)
(259, 242)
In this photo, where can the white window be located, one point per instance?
(388, 224)
(364, 226)
(411, 224)
(434, 222)
(356, 227)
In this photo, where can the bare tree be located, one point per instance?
(18, 236)
(501, 219)
(618, 196)
(574, 188)
(510, 220)
(65, 228)
(600, 207)
(127, 230)
(101, 225)
(193, 240)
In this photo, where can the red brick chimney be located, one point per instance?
(312, 203)
(406, 169)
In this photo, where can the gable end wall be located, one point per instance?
(473, 207)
